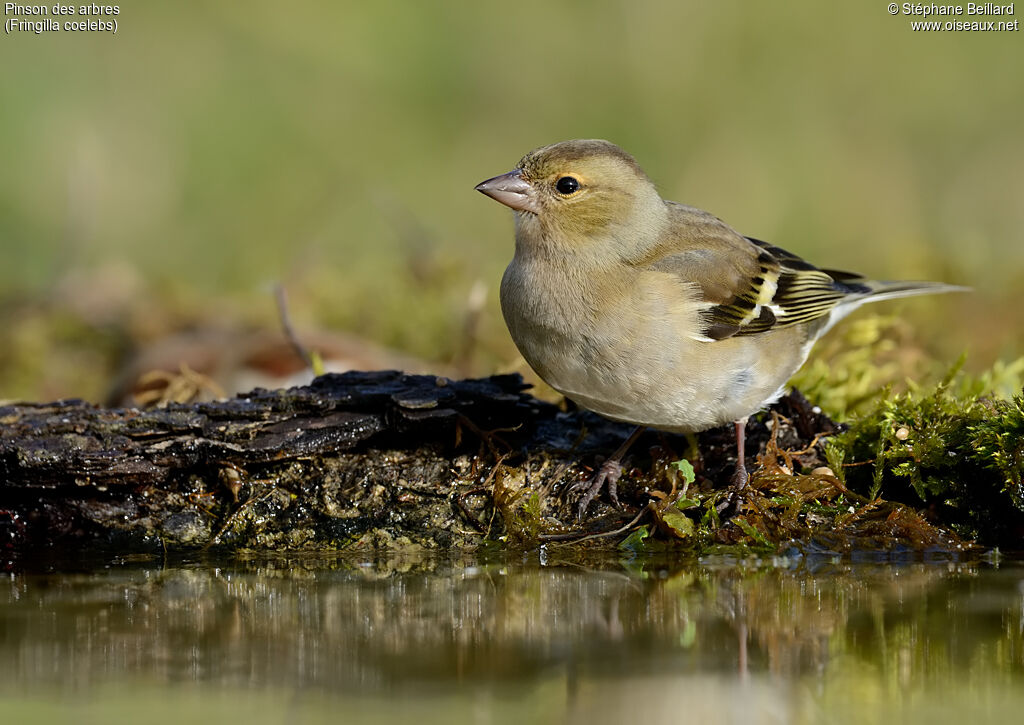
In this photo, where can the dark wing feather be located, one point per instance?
(787, 291)
(746, 286)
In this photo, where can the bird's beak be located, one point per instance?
(511, 190)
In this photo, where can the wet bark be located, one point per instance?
(368, 459)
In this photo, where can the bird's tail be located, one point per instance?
(878, 291)
(862, 291)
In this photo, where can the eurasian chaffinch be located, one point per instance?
(653, 312)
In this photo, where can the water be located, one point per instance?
(311, 640)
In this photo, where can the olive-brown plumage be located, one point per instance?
(653, 312)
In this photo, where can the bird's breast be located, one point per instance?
(626, 349)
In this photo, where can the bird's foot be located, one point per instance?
(731, 504)
(609, 473)
(738, 483)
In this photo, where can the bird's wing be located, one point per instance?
(747, 286)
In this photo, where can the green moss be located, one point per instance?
(953, 449)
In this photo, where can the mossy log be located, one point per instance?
(370, 460)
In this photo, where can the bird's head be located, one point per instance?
(575, 191)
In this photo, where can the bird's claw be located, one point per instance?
(736, 493)
(609, 473)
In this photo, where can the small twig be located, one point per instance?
(768, 515)
(859, 463)
(858, 513)
(839, 486)
(460, 501)
(286, 326)
(810, 447)
(486, 436)
(571, 538)
(159, 387)
(235, 514)
(772, 450)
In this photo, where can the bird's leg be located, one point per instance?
(733, 499)
(609, 473)
(739, 477)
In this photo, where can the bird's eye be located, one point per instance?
(567, 185)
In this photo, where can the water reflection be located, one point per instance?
(593, 644)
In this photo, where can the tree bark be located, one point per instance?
(363, 459)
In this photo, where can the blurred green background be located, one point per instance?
(162, 179)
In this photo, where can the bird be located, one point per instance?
(653, 312)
